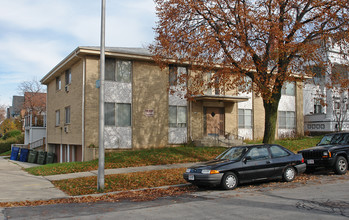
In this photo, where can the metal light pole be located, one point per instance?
(100, 178)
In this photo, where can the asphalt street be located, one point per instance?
(323, 198)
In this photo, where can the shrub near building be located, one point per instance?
(11, 137)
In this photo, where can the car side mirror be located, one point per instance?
(247, 158)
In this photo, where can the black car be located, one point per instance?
(246, 164)
(331, 153)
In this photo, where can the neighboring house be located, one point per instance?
(325, 108)
(15, 111)
(140, 111)
(34, 119)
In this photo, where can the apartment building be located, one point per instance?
(140, 111)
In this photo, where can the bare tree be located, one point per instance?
(340, 110)
(34, 96)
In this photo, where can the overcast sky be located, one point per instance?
(37, 34)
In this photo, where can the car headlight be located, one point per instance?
(188, 170)
(209, 171)
(326, 154)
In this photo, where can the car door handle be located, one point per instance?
(268, 161)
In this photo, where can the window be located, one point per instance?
(177, 75)
(340, 70)
(117, 114)
(288, 89)
(58, 118)
(118, 70)
(258, 153)
(246, 84)
(67, 115)
(214, 84)
(277, 151)
(287, 120)
(109, 113)
(58, 83)
(245, 118)
(177, 116)
(318, 73)
(67, 77)
(317, 106)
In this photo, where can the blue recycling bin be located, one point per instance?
(23, 156)
(14, 153)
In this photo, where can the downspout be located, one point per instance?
(190, 121)
(83, 109)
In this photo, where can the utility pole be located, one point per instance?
(101, 160)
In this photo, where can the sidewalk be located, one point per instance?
(18, 185)
(117, 171)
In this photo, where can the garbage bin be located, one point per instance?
(41, 157)
(33, 155)
(23, 156)
(50, 158)
(14, 153)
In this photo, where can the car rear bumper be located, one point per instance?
(204, 179)
(301, 168)
(323, 162)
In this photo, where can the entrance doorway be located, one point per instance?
(214, 121)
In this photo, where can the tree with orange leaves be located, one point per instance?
(269, 41)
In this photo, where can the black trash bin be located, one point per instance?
(50, 158)
(14, 153)
(41, 157)
(23, 156)
(33, 156)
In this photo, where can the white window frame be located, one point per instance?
(67, 112)
(175, 75)
(68, 77)
(58, 117)
(286, 89)
(115, 76)
(178, 124)
(288, 119)
(244, 116)
(115, 113)
(58, 83)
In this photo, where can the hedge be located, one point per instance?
(5, 145)
(13, 133)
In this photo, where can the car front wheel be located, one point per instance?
(229, 181)
(341, 165)
(289, 174)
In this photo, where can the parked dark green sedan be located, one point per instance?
(246, 164)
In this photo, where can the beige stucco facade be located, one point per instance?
(149, 96)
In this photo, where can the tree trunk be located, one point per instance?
(271, 114)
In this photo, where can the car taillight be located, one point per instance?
(302, 160)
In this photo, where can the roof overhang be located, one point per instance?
(78, 53)
(221, 98)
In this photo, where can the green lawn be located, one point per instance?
(156, 156)
(295, 144)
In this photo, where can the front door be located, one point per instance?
(214, 121)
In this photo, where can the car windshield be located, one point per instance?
(233, 153)
(335, 139)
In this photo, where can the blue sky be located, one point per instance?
(37, 34)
